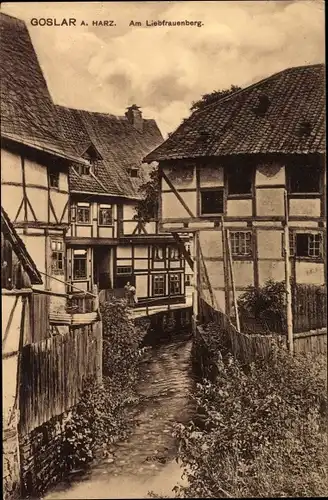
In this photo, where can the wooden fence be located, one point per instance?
(314, 342)
(309, 307)
(39, 319)
(248, 347)
(245, 347)
(53, 372)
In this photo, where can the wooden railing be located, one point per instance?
(119, 293)
(80, 303)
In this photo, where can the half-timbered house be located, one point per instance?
(34, 157)
(252, 163)
(106, 245)
(18, 275)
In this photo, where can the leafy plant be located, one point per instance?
(214, 96)
(266, 303)
(261, 433)
(121, 345)
(147, 208)
(101, 415)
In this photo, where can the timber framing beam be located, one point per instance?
(183, 250)
(177, 194)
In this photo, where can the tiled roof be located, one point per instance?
(120, 144)
(284, 113)
(20, 249)
(28, 115)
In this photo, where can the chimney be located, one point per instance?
(134, 116)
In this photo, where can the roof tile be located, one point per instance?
(231, 125)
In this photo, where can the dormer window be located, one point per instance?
(83, 169)
(305, 128)
(134, 173)
(262, 105)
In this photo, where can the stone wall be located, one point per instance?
(10, 461)
(41, 455)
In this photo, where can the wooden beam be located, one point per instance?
(53, 210)
(177, 194)
(183, 250)
(18, 211)
(31, 208)
(289, 311)
(64, 211)
(9, 323)
(232, 277)
(24, 188)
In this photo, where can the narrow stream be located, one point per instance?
(146, 460)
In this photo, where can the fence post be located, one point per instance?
(99, 338)
(289, 312)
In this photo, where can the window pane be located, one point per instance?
(174, 253)
(212, 202)
(175, 284)
(159, 253)
(83, 214)
(305, 179)
(241, 243)
(54, 179)
(158, 284)
(239, 179)
(105, 216)
(302, 245)
(80, 264)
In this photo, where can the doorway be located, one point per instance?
(102, 275)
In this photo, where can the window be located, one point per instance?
(158, 253)
(83, 213)
(105, 215)
(241, 243)
(158, 284)
(57, 258)
(83, 169)
(126, 270)
(53, 178)
(174, 253)
(211, 201)
(304, 179)
(188, 280)
(305, 245)
(80, 264)
(239, 179)
(134, 172)
(175, 284)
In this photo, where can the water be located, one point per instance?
(146, 460)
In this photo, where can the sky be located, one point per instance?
(164, 69)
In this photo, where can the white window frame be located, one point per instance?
(241, 244)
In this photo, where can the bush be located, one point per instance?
(266, 303)
(262, 431)
(95, 422)
(100, 417)
(121, 345)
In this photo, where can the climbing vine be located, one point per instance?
(102, 414)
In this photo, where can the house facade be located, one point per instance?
(18, 275)
(34, 159)
(106, 246)
(241, 169)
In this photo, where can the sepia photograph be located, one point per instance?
(163, 249)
